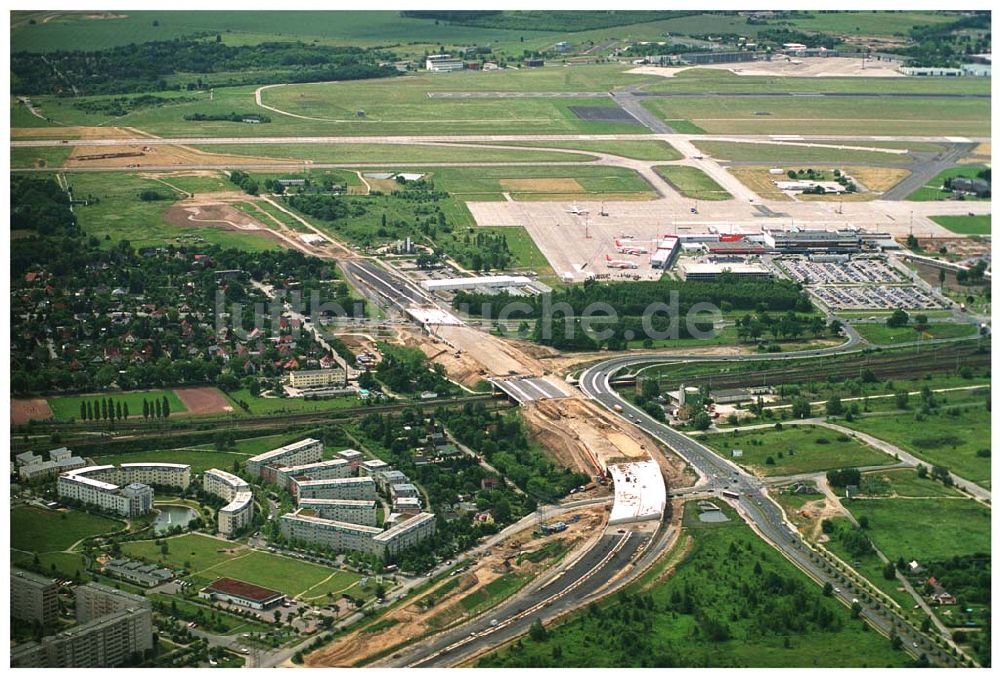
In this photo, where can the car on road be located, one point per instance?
(837, 590)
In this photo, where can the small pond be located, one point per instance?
(172, 515)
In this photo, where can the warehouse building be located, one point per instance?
(361, 512)
(85, 485)
(242, 594)
(487, 284)
(666, 251)
(300, 452)
(443, 63)
(239, 512)
(356, 488)
(33, 598)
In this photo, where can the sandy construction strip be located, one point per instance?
(203, 400)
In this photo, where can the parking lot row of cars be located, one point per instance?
(854, 271)
(877, 297)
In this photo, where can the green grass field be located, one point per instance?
(692, 182)
(925, 529)
(906, 483)
(211, 558)
(120, 215)
(654, 149)
(393, 153)
(967, 225)
(65, 407)
(42, 530)
(939, 439)
(276, 406)
(594, 181)
(840, 115)
(200, 460)
(877, 333)
(39, 157)
(526, 254)
(492, 594)
(69, 564)
(795, 449)
(785, 153)
(702, 616)
(932, 189)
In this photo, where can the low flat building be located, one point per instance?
(443, 63)
(242, 594)
(147, 575)
(807, 240)
(709, 271)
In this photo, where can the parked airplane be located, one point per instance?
(620, 263)
(631, 249)
(577, 210)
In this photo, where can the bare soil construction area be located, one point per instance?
(158, 155)
(203, 401)
(23, 411)
(431, 612)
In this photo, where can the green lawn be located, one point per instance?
(200, 460)
(287, 575)
(42, 530)
(822, 115)
(795, 449)
(276, 406)
(654, 149)
(967, 225)
(877, 333)
(939, 439)
(44, 156)
(692, 182)
(703, 615)
(925, 529)
(487, 183)
(797, 155)
(906, 483)
(65, 407)
(68, 564)
(120, 215)
(201, 551)
(932, 189)
(392, 153)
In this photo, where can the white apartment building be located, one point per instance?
(357, 488)
(362, 512)
(406, 534)
(335, 535)
(86, 485)
(328, 469)
(239, 512)
(300, 452)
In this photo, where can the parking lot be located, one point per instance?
(876, 297)
(851, 272)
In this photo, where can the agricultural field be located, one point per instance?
(945, 438)
(66, 407)
(966, 225)
(692, 182)
(794, 449)
(654, 149)
(701, 616)
(42, 530)
(878, 333)
(840, 115)
(932, 189)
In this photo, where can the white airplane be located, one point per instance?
(577, 210)
(626, 236)
(631, 249)
(620, 263)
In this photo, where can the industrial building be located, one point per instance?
(666, 251)
(362, 512)
(300, 452)
(239, 512)
(710, 270)
(33, 598)
(357, 488)
(242, 594)
(86, 485)
(115, 628)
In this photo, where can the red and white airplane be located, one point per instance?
(620, 263)
(631, 249)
